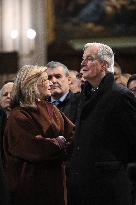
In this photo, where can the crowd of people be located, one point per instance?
(68, 137)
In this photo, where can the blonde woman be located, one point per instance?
(34, 141)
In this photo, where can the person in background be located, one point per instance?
(35, 140)
(131, 84)
(75, 85)
(122, 79)
(61, 95)
(5, 100)
(5, 96)
(105, 137)
(82, 78)
(117, 69)
(65, 100)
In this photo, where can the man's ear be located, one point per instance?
(104, 65)
(69, 80)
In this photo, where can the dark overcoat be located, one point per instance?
(105, 142)
(34, 166)
(4, 195)
(3, 119)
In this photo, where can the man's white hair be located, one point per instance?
(1, 90)
(105, 53)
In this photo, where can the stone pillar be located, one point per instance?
(36, 54)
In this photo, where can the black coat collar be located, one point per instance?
(90, 99)
(104, 85)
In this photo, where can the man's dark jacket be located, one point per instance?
(69, 105)
(105, 142)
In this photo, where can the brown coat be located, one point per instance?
(35, 165)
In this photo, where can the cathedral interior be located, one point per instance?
(36, 32)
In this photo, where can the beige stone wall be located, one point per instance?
(50, 21)
(6, 77)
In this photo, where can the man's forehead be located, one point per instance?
(92, 50)
(57, 70)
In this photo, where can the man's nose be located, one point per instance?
(9, 95)
(83, 62)
(53, 80)
(50, 83)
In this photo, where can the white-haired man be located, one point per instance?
(5, 96)
(105, 140)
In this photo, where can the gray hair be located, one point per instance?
(105, 53)
(25, 90)
(6, 83)
(55, 64)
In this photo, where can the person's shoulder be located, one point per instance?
(19, 113)
(121, 90)
(122, 95)
(74, 95)
(44, 103)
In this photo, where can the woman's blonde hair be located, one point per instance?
(25, 91)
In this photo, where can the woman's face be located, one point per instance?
(43, 85)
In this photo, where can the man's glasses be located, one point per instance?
(90, 58)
